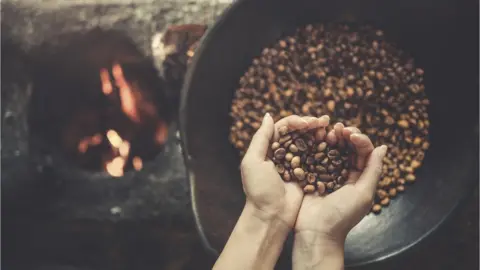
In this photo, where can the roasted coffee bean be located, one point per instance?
(356, 77)
(376, 208)
(275, 146)
(385, 201)
(280, 168)
(320, 188)
(299, 173)
(287, 176)
(381, 194)
(311, 178)
(293, 148)
(301, 145)
(309, 189)
(392, 192)
(279, 153)
(295, 163)
(325, 177)
(330, 186)
(322, 146)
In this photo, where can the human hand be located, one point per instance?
(263, 186)
(330, 217)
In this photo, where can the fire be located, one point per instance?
(138, 108)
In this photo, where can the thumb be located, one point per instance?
(261, 140)
(371, 174)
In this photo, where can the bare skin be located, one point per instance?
(273, 208)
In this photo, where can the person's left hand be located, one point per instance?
(263, 186)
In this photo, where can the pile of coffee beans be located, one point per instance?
(352, 74)
(314, 164)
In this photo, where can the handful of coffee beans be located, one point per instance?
(314, 164)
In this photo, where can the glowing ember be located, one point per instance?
(161, 133)
(89, 141)
(137, 163)
(127, 97)
(124, 149)
(114, 139)
(106, 84)
(115, 167)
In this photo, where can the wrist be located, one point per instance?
(318, 250)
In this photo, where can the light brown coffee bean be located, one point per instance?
(392, 192)
(309, 189)
(322, 146)
(410, 178)
(381, 194)
(320, 188)
(299, 173)
(400, 188)
(293, 148)
(295, 163)
(288, 157)
(275, 146)
(376, 208)
(385, 201)
(320, 169)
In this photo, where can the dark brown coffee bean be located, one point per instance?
(330, 186)
(301, 145)
(325, 177)
(287, 176)
(311, 178)
(320, 169)
(344, 173)
(331, 168)
(310, 160)
(333, 154)
(336, 187)
(280, 168)
(279, 153)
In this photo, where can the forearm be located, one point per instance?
(255, 243)
(312, 251)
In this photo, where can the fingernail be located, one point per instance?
(325, 118)
(265, 117)
(383, 150)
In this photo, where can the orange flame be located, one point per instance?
(106, 84)
(127, 97)
(137, 163)
(115, 167)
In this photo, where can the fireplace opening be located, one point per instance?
(98, 102)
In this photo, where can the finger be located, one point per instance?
(320, 134)
(363, 147)
(338, 128)
(259, 145)
(331, 138)
(369, 178)
(295, 122)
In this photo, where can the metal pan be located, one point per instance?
(443, 38)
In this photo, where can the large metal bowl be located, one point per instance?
(442, 37)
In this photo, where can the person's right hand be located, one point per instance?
(332, 216)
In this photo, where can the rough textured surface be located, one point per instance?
(161, 188)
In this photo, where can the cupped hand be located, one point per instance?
(264, 188)
(332, 216)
